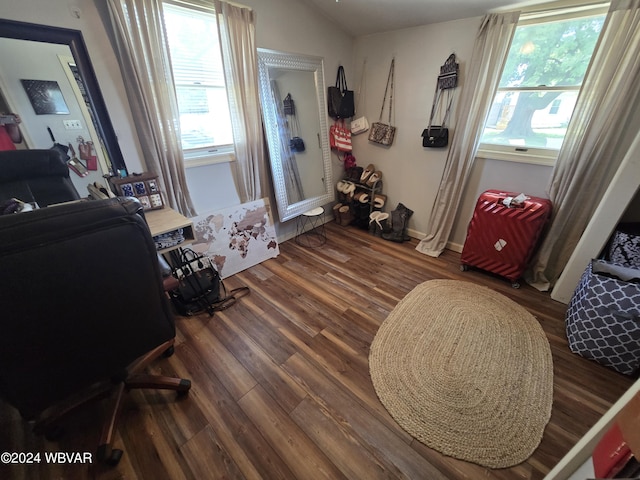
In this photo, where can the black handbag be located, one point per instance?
(340, 100)
(205, 282)
(448, 77)
(200, 287)
(296, 144)
(198, 283)
(289, 105)
(435, 137)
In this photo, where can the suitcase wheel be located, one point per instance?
(464, 268)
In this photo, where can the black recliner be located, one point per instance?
(40, 176)
(83, 310)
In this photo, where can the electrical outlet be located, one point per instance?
(72, 124)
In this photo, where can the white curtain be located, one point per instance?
(489, 54)
(146, 69)
(236, 26)
(589, 156)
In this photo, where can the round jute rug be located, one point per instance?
(466, 371)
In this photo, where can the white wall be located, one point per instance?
(410, 173)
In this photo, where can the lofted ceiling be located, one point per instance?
(365, 17)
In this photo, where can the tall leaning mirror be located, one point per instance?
(293, 106)
(39, 55)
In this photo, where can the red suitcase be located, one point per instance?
(502, 239)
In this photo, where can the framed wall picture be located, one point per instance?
(45, 97)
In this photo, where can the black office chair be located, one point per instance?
(83, 310)
(36, 176)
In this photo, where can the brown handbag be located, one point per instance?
(384, 133)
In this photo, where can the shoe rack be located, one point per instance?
(361, 190)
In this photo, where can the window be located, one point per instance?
(205, 123)
(540, 83)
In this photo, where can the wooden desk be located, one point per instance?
(167, 220)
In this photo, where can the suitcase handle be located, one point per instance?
(516, 205)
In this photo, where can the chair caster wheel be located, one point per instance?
(114, 458)
(169, 351)
(186, 386)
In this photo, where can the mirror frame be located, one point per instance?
(275, 59)
(74, 40)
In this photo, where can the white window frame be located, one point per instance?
(539, 156)
(213, 154)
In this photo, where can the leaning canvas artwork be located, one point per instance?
(236, 238)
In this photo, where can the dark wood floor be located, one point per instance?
(281, 385)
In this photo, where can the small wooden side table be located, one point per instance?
(167, 220)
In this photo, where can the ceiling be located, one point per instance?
(365, 17)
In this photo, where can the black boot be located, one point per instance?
(398, 222)
(409, 213)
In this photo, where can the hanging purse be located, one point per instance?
(296, 144)
(437, 136)
(448, 77)
(88, 154)
(340, 137)
(340, 100)
(288, 105)
(360, 124)
(379, 132)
